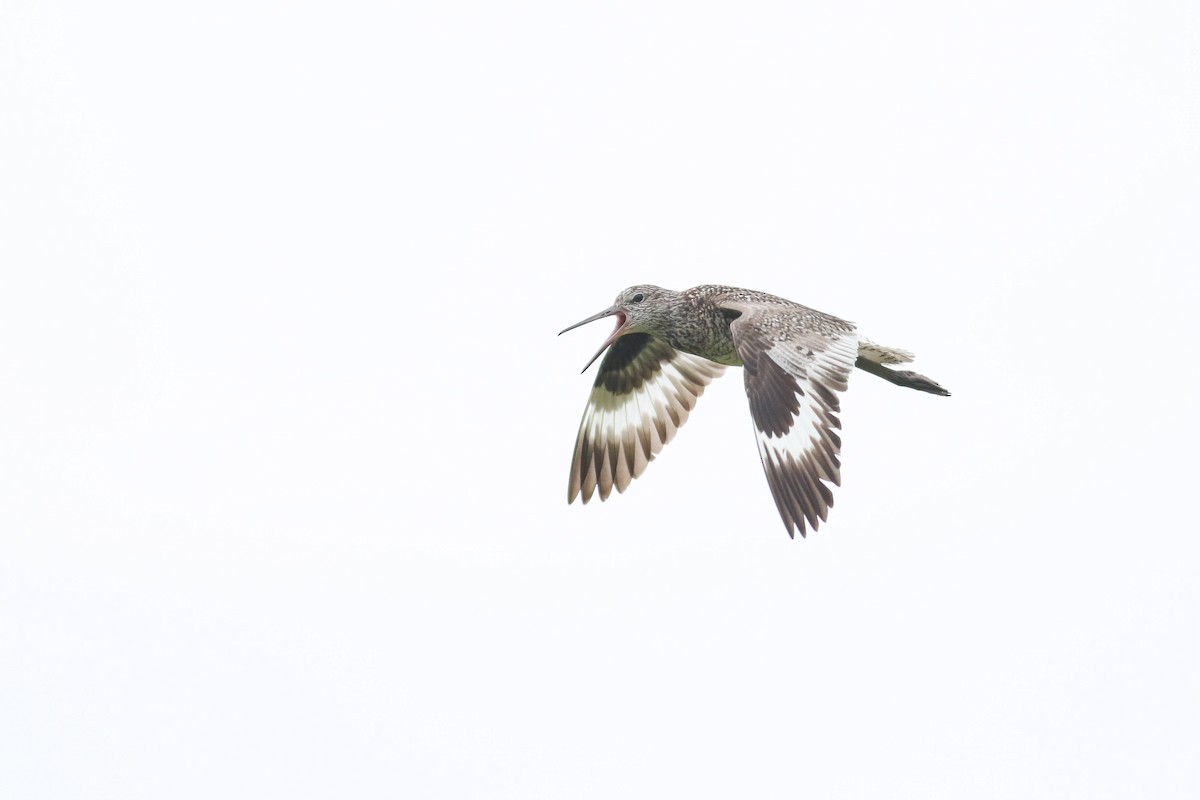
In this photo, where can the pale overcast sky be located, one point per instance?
(285, 426)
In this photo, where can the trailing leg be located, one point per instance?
(872, 357)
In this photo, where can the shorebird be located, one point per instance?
(668, 346)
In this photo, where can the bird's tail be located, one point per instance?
(872, 357)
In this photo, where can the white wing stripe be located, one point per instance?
(621, 433)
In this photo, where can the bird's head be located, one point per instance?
(638, 309)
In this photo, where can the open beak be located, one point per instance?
(616, 334)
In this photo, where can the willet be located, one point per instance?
(669, 345)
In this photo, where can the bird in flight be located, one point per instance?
(668, 346)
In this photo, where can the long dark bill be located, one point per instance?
(608, 312)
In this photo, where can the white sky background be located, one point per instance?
(285, 426)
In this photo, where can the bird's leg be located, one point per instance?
(907, 378)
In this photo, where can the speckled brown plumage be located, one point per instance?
(668, 346)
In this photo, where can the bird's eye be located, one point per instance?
(637, 298)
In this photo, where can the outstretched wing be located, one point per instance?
(796, 361)
(642, 395)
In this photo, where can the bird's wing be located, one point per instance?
(642, 395)
(796, 361)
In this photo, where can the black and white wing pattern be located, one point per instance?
(642, 395)
(796, 361)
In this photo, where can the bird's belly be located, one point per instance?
(722, 353)
(728, 359)
(715, 345)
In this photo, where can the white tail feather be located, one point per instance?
(882, 355)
